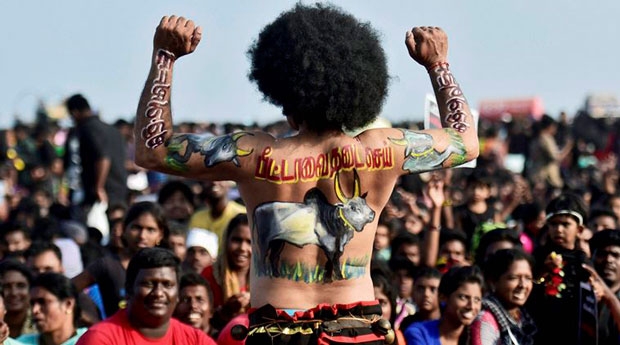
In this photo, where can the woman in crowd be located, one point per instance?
(460, 291)
(503, 320)
(16, 278)
(55, 311)
(229, 276)
(4, 328)
(144, 227)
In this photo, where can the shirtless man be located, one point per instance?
(314, 199)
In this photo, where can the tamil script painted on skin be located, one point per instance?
(322, 166)
(153, 133)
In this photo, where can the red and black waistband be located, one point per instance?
(355, 323)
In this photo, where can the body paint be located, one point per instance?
(215, 149)
(322, 166)
(456, 118)
(311, 222)
(154, 131)
(421, 155)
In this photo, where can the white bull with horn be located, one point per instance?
(315, 221)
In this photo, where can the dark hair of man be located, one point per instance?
(546, 121)
(427, 273)
(602, 211)
(608, 200)
(449, 235)
(177, 229)
(172, 187)
(457, 276)
(14, 265)
(61, 287)
(479, 177)
(13, 226)
(322, 66)
(604, 238)
(500, 261)
(116, 206)
(493, 236)
(39, 247)
(527, 213)
(147, 258)
(77, 102)
(404, 238)
(399, 262)
(195, 279)
(380, 267)
(147, 207)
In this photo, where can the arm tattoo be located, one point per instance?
(421, 155)
(456, 118)
(154, 131)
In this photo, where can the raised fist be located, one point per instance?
(177, 35)
(427, 45)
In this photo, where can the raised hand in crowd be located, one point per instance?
(430, 248)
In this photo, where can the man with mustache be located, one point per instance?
(195, 306)
(152, 286)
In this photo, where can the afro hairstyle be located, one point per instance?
(322, 66)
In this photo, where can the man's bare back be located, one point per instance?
(313, 199)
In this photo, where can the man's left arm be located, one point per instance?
(192, 155)
(174, 38)
(457, 141)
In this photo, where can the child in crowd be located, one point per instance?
(564, 281)
(425, 297)
(460, 290)
(404, 271)
(477, 209)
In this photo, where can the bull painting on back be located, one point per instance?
(312, 222)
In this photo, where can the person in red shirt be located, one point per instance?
(152, 289)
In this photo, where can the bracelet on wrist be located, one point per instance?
(447, 203)
(438, 64)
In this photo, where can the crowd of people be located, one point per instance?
(99, 250)
(460, 253)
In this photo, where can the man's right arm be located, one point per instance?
(193, 155)
(429, 47)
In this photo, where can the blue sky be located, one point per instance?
(558, 50)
